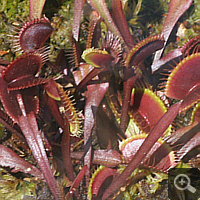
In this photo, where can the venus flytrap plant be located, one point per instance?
(19, 94)
(109, 83)
(154, 134)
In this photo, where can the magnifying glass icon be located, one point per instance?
(182, 182)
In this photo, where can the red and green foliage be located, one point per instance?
(100, 104)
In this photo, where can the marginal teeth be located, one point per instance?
(21, 42)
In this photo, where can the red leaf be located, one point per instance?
(143, 49)
(153, 136)
(98, 180)
(97, 58)
(26, 65)
(184, 77)
(36, 7)
(176, 10)
(192, 143)
(78, 7)
(29, 127)
(94, 30)
(9, 101)
(191, 98)
(9, 158)
(34, 34)
(177, 53)
(95, 94)
(26, 82)
(101, 8)
(65, 148)
(127, 90)
(76, 182)
(51, 89)
(53, 107)
(108, 158)
(140, 101)
(122, 25)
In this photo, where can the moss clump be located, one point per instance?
(13, 188)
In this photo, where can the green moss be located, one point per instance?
(13, 188)
(62, 23)
(143, 14)
(11, 8)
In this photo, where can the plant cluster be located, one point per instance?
(108, 118)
